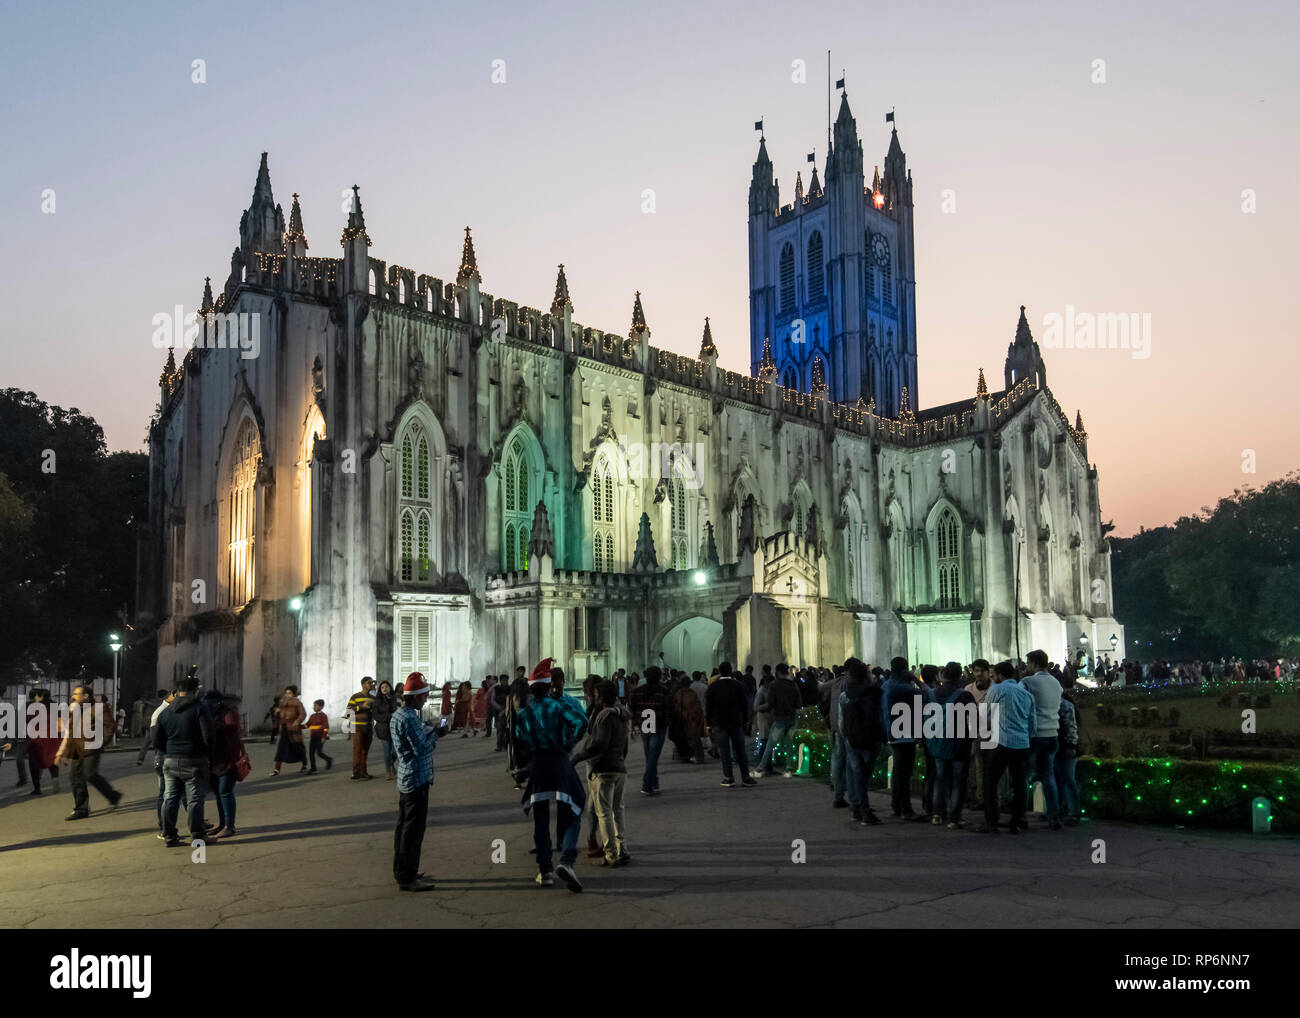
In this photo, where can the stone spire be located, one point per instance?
(541, 542)
(638, 318)
(294, 236)
(707, 349)
(262, 224)
(356, 221)
(981, 387)
(468, 261)
(905, 407)
(561, 300)
(166, 381)
(819, 376)
(1024, 359)
(763, 196)
(205, 308)
(710, 559)
(643, 559)
(815, 188)
(798, 186)
(767, 366)
(1078, 424)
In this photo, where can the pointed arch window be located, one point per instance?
(241, 515)
(602, 516)
(787, 279)
(947, 556)
(678, 518)
(886, 279)
(871, 270)
(816, 267)
(415, 509)
(789, 379)
(516, 511)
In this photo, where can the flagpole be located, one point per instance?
(828, 100)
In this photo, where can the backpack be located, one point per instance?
(862, 726)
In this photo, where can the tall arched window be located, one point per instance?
(241, 560)
(415, 506)
(680, 541)
(947, 556)
(787, 279)
(789, 379)
(516, 511)
(886, 278)
(816, 267)
(871, 271)
(602, 515)
(898, 558)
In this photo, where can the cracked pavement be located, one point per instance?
(316, 852)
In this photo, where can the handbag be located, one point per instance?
(243, 766)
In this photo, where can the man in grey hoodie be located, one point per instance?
(606, 748)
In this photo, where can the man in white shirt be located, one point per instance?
(1046, 691)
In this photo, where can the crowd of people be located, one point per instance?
(568, 756)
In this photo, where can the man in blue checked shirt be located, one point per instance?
(413, 746)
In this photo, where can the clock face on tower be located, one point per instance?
(880, 249)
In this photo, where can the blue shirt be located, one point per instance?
(413, 745)
(550, 724)
(1016, 708)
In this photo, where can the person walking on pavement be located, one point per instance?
(82, 744)
(290, 748)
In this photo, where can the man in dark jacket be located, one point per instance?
(651, 709)
(950, 753)
(784, 701)
(830, 707)
(606, 748)
(184, 738)
(725, 709)
(901, 687)
(862, 734)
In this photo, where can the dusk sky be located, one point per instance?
(1130, 195)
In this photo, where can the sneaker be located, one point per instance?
(420, 883)
(839, 804)
(755, 774)
(356, 777)
(565, 872)
(546, 879)
(644, 792)
(726, 782)
(870, 818)
(112, 803)
(623, 860)
(749, 781)
(787, 774)
(936, 820)
(74, 815)
(274, 774)
(160, 836)
(174, 843)
(35, 791)
(956, 825)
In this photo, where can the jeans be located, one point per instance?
(83, 771)
(731, 746)
(568, 825)
(838, 766)
(950, 787)
(191, 776)
(162, 787)
(931, 799)
(408, 838)
(1042, 755)
(20, 761)
(317, 749)
(390, 756)
(1067, 787)
(780, 729)
(1004, 759)
(861, 765)
(609, 789)
(900, 780)
(226, 799)
(654, 745)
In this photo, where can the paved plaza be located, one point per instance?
(316, 852)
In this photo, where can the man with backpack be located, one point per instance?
(861, 730)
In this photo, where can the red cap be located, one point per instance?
(415, 684)
(542, 673)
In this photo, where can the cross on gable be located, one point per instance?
(790, 584)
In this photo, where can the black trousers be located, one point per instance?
(412, 813)
(928, 797)
(1004, 759)
(731, 745)
(900, 781)
(83, 771)
(317, 749)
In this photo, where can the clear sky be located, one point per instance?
(1124, 196)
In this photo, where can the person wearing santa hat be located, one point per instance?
(547, 729)
(413, 746)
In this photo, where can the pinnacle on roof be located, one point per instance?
(904, 406)
(981, 387)
(468, 261)
(206, 307)
(767, 366)
(356, 220)
(707, 349)
(168, 371)
(815, 188)
(262, 189)
(818, 376)
(1078, 423)
(1023, 335)
(845, 115)
(763, 157)
(295, 233)
(561, 300)
(798, 186)
(638, 317)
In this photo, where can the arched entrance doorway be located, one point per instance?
(693, 644)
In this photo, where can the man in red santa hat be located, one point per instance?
(413, 746)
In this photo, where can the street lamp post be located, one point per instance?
(115, 644)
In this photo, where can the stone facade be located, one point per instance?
(398, 473)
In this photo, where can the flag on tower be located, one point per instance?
(812, 157)
(758, 125)
(840, 83)
(889, 117)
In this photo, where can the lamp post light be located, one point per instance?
(1114, 642)
(115, 645)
